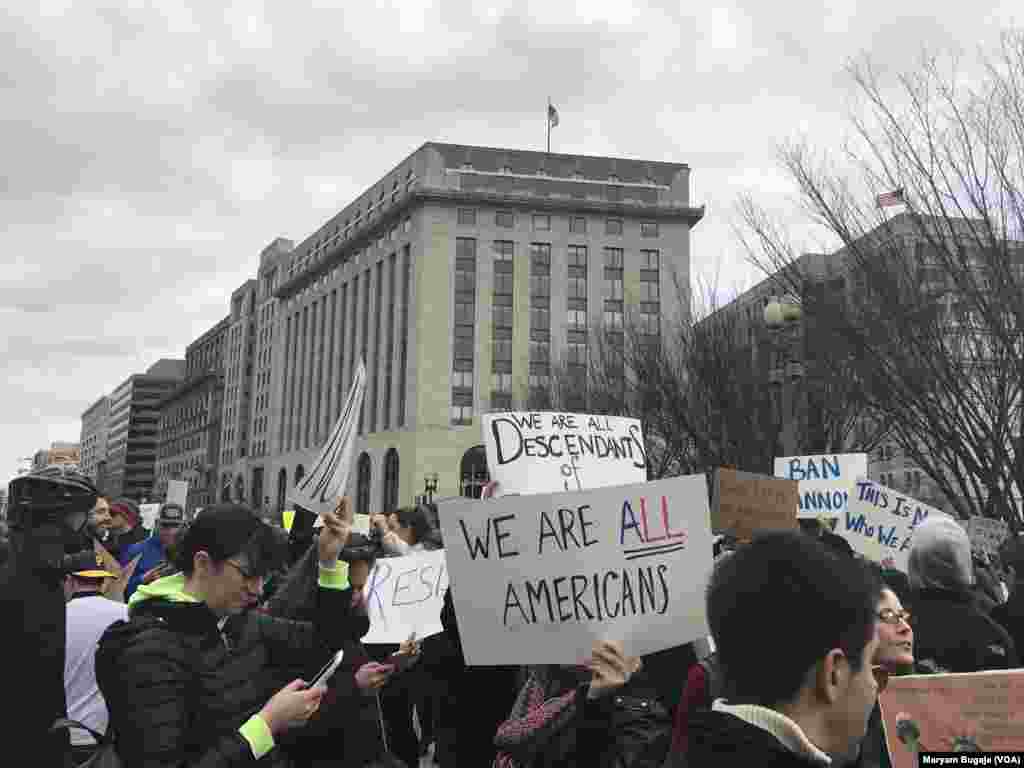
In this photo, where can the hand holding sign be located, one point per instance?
(611, 667)
(337, 527)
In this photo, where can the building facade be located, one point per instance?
(188, 446)
(95, 428)
(58, 453)
(134, 425)
(462, 278)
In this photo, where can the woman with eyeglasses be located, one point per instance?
(186, 687)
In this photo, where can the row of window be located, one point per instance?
(541, 222)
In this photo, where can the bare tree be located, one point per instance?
(922, 314)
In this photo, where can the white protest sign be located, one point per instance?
(826, 480)
(177, 492)
(319, 490)
(149, 513)
(547, 452)
(987, 534)
(405, 595)
(879, 523)
(537, 579)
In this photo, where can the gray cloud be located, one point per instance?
(151, 151)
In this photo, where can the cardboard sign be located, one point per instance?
(825, 480)
(537, 579)
(975, 712)
(177, 492)
(547, 452)
(319, 490)
(745, 503)
(987, 534)
(405, 595)
(879, 523)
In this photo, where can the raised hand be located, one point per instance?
(611, 668)
(336, 531)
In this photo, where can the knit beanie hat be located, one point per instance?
(940, 556)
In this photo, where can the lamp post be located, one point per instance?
(783, 319)
(430, 486)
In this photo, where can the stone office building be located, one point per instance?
(462, 278)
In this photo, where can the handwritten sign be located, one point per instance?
(319, 490)
(745, 503)
(405, 595)
(879, 523)
(537, 579)
(549, 452)
(987, 534)
(974, 712)
(825, 480)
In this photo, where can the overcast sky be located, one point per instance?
(150, 150)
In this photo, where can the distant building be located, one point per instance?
(134, 423)
(57, 453)
(95, 428)
(188, 440)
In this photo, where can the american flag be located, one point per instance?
(890, 198)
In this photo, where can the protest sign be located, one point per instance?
(745, 502)
(177, 492)
(319, 490)
(987, 534)
(825, 480)
(405, 595)
(537, 579)
(975, 712)
(879, 523)
(548, 452)
(149, 513)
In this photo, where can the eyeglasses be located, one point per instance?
(881, 675)
(245, 573)
(889, 616)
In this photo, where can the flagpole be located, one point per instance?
(547, 116)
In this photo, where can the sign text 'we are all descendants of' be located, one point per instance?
(548, 452)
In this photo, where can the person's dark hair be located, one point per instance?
(778, 605)
(417, 518)
(228, 530)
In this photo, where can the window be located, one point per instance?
(577, 318)
(540, 319)
(502, 382)
(541, 222)
(462, 414)
(577, 288)
(650, 259)
(648, 229)
(649, 292)
(462, 379)
(576, 354)
(613, 258)
(613, 287)
(540, 257)
(503, 350)
(502, 317)
(505, 219)
(503, 283)
(540, 381)
(467, 217)
(649, 324)
(577, 256)
(540, 351)
(577, 225)
(465, 312)
(503, 250)
(613, 319)
(613, 226)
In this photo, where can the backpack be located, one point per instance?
(643, 733)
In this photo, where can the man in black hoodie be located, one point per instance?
(794, 626)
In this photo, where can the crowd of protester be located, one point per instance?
(200, 656)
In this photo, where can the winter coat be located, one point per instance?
(722, 740)
(953, 633)
(181, 693)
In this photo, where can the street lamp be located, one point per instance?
(782, 318)
(430, 486)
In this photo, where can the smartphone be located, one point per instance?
(328, 669)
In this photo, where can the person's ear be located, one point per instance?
(833, 673)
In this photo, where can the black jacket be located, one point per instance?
(951, 631)
(178, 690)
(721, 740)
